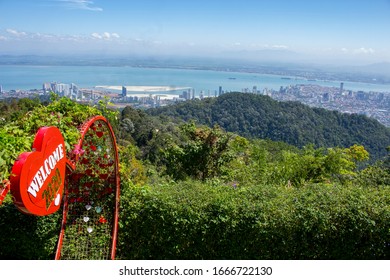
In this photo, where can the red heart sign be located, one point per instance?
(38, 177)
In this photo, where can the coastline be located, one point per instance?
(161, 92)
(145, 89)
(200, 81)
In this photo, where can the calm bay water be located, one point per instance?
(32, 77)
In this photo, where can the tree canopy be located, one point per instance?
(258, 116)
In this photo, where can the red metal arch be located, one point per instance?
(95, 126)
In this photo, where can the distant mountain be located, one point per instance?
(257, 116)
(378, 68)
(275, 56)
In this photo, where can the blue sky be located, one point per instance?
(332, 30)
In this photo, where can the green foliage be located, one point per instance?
(193, 220)
(131, 169)
(149, 134)
(377, 175)
(317, 165)
(257, 116)
(202, 155)
(13, 109)
(111, 115)
(63, 113)
(17, 136)
(13, 141)
(27, 237)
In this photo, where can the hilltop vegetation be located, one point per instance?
(196, 191)
(257, 116)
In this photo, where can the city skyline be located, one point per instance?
(347, 31)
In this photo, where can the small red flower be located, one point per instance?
(102, 220)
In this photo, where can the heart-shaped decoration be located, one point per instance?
(39, 176)
(86, 219)
(98, 209)
(89, 229)
(88, 207)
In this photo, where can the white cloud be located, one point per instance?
(2, 38)
(364, 51)
(96, 36)
(358, 51)
(280, 47)
(105, 36)
(80, 5)
(16, 33)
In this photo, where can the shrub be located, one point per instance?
(190, 220)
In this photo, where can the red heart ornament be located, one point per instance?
(38, 177)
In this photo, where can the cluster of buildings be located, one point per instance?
(371, 104)
(69, 90)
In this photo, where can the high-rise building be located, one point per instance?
(1, 89)
(124, 91)
(341, 88)
(254, 90)
(46, 87)
(186, 95)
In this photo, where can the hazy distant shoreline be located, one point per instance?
(373, 73)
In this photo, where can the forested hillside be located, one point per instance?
(257, 116)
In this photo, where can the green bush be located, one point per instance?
(25, 236)
(190, 220)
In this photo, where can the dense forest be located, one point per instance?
(258, 116)
(235, 177)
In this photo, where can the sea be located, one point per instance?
(27, 77)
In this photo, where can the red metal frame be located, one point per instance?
(71, 166)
